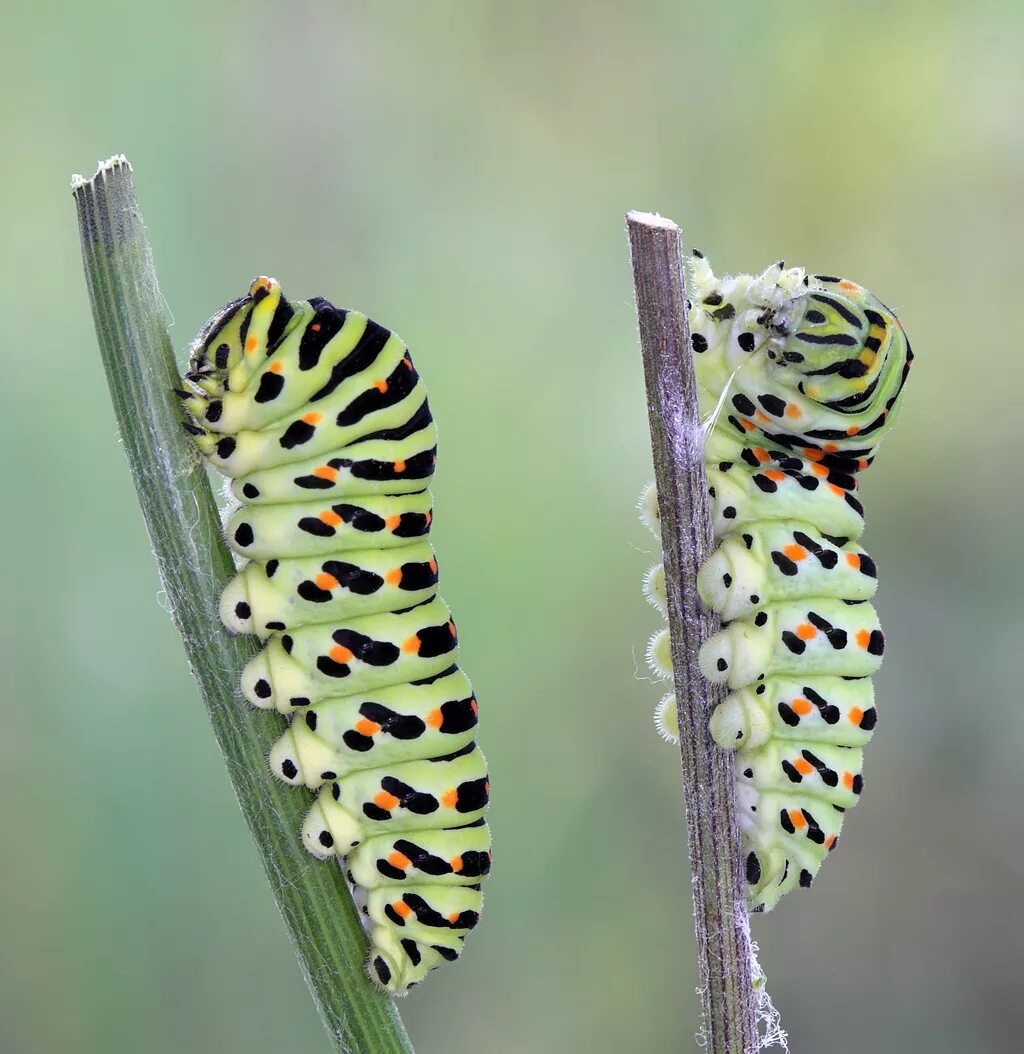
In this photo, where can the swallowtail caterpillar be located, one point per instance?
(799, 378)
(319, 418)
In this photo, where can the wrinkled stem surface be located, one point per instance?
(721, 921)
(194, 564)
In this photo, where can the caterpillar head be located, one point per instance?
(838, 345)
(242, 332)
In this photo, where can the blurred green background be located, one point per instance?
(461, 172)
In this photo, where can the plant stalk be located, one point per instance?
(194, 564)
(721, 920)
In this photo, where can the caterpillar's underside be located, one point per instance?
(320, 420)
(799, 378)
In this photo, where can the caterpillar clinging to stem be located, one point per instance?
(799, 379)
(320, 420)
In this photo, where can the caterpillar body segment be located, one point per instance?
(413, 796)
(835, 710)
(301, 590)
(329, 739)
(796, 637)
(373, 651)
(799, 378)
(319, 419)
(370, 467)
(783, 560)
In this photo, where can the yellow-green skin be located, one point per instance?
(319, 419)
(799, 378)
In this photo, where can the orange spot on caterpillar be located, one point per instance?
(776, 474)
(381, 386)
(819, 470)
(801, 706)
(411, 645)
(830, 841)
(761, 454)
(863, 638)
(796, 818)
(326, 472)
(837, 491)
(407, 361)
(453, 917)
(747, 424)
(250, 345)
(812, 453)
(399, 860)
(848, 780)
(456, 863)
(762, 417)
(850, 287)
(475, 705)
(276, 367)
(855, 715)
(795, 552)
(852, 430)
(434, 718)
(326, 582)
(451, 627)
(805, 631)
(385, 800)
(450, 798)
(366, 727)
(433, 567)
(399, 466)
(853, 559)
(330, 517)
(792, 410)
(339, 653)
(803, 766)
(312, 418)
(401, 908)
(394, 577)
(428, 516)
(830, 448)
(315, 327)
(862, 463)
(392, 522)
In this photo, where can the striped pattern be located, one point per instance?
(799, 377)
(319, 419)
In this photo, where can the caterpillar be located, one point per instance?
(319, 419)
(799, 378)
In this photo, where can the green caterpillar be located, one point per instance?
(321, 422)
(799, 378)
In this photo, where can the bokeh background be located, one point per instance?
(461, 171)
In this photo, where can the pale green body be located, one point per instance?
(320, 420)
(799, 378)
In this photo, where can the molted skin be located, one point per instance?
(319, 419)
(800, 377)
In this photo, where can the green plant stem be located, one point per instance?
(721, 921)
(184, 528)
